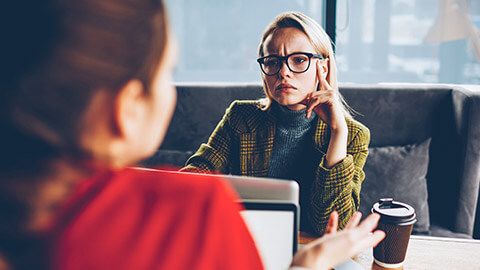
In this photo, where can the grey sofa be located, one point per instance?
(424, 150)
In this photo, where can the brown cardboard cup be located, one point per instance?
(396, 220)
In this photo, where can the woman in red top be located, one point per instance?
(85, 92)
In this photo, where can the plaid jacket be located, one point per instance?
(242, 144)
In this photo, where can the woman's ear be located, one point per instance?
(130, 109)
(114, 122)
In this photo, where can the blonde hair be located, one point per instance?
(320, 41)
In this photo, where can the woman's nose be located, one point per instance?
(284, 70)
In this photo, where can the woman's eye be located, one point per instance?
(270, 62)
(299, 60)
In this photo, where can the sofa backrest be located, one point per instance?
(397, 115)
(199, 109)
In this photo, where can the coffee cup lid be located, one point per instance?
(394, 212)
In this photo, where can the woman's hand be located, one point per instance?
(324, 103)
(335, 247)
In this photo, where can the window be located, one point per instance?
(376, 40)
(407, 41)
(219, 39)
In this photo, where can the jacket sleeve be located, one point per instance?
(338, 188)
(215, 155)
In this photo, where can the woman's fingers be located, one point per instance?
(326, 94)
(317, 98)
(369, 223)
(332, 223)
(326, 85)
(306, 100)
(319, 75)
(369, 241)
(323, 83)
(354, 220)
(314, 102)
(335, 247)
(321, 105)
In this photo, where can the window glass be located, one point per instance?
(218, 39)
(431, 41)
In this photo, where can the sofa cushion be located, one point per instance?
(398, 172)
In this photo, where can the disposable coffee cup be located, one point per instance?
(396, 220)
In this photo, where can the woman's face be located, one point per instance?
(288, 88)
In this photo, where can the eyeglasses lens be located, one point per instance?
(296, 63)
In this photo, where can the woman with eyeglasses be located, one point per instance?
(302, 130)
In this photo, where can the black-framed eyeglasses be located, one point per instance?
(298, 62)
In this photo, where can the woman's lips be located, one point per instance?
(285, 87)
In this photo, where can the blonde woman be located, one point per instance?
(302, 130)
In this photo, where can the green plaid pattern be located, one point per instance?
(242, 144)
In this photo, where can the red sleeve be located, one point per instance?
(153, 220)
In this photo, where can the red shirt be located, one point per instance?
(146, 219)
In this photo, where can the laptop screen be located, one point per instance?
(274, 230)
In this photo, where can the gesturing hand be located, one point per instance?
(324, 103)
(335, 247)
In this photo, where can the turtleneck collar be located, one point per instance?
(291, 119)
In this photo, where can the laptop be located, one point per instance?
(257, 188)
(271, 212)
(273, 226)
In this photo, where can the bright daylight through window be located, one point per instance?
(428, 41)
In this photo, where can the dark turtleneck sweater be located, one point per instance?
(293, 154)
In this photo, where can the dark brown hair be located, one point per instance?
(56, 55)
